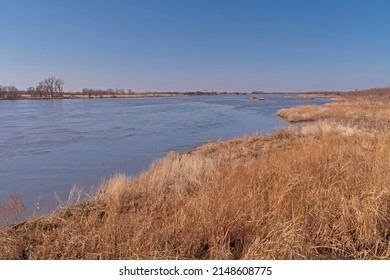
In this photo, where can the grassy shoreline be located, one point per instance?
(321, 192)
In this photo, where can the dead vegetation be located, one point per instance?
(368, 109)
(319, 192)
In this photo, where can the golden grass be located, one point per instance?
(370, 115)
(11, 210)
(319, 192)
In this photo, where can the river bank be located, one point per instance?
(321, 192)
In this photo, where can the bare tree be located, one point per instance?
(119, 91)
(50, 87)
(9, 92)
(32, 91)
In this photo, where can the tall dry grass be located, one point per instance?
(366, 114)
(321, 192)
(11, 210)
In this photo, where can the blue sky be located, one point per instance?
(160, 45)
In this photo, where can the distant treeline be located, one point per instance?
(87, 92)
(53, 88)
(371, 93)
(7, 94)
(374, 94)
(48, 88)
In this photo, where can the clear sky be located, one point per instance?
(223, 45)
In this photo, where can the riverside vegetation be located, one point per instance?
(317, 191)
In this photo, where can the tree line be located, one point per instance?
(52, 87)
(90, 92)
(9, 92)
(49, 87)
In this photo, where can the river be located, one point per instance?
(48, 146)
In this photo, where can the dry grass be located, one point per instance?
(321, 192)
(341, 110)
(11, 210)
(358, 111)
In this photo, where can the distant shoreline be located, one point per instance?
(311, 95)
(94, 95)
(79, 95)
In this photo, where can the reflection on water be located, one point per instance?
(46, 146)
